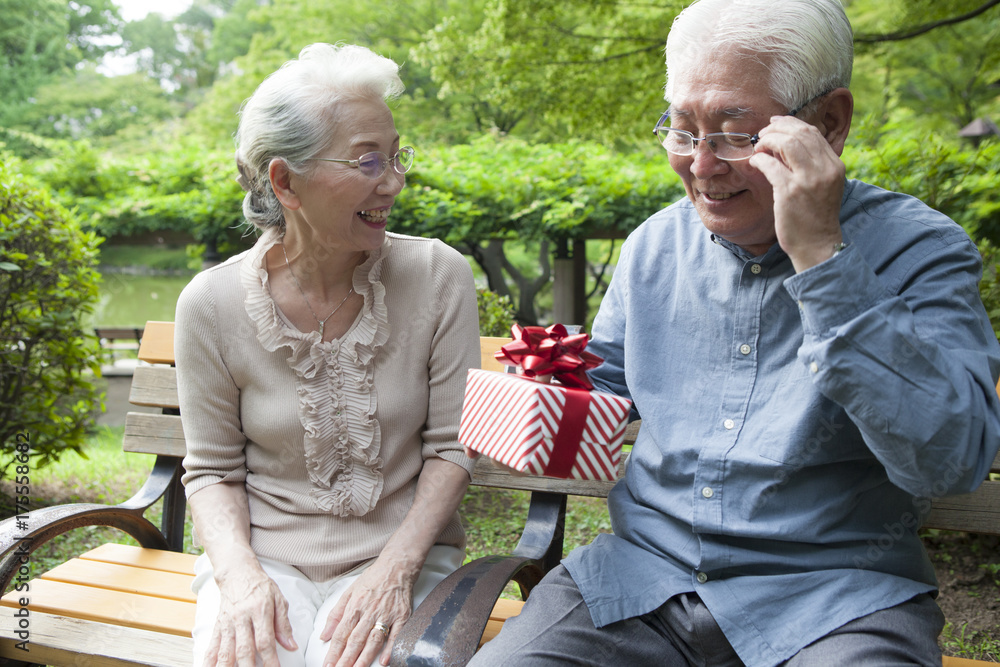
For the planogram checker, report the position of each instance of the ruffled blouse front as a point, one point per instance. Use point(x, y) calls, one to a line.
point(335, 384)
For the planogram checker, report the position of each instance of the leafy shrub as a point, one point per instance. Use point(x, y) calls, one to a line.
point(954, 178)
point(496, 313)
point(989, 286)
point(48, 279)
point(182, 188)
point(505, 188)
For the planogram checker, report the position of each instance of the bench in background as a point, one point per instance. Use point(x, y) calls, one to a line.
point(115, 340)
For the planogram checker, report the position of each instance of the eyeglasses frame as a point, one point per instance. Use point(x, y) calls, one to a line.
point(394, 161)
point(754, 138)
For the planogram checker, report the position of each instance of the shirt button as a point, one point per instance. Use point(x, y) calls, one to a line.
point(744, 349)
point(707, 492)
point(814, 367)
point(755, 269)
point(729, 424)
point(702, 577)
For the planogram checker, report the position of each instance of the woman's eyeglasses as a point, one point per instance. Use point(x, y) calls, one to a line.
point(374, 164)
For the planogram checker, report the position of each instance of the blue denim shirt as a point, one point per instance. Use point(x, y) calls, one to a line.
point(793, 425)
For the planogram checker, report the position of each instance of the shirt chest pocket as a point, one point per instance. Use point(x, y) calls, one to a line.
point(805, 429)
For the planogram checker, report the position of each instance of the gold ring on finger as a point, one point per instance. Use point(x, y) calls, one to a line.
point(383, 628)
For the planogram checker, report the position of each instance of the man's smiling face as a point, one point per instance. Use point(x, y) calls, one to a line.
point(726, 94)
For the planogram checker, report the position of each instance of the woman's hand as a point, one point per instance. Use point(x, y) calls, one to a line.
point(382, 594)
point(253, 616)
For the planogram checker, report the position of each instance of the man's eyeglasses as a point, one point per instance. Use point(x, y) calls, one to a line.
point(728, 146)
point(374, 164)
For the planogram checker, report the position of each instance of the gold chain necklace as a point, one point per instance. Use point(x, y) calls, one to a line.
point(295, 280)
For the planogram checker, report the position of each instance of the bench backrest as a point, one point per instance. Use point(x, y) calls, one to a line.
point(156, 386)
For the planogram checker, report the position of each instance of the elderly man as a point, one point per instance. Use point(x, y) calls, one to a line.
point(811, 362)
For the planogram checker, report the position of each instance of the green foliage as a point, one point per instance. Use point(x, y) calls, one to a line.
point(957, 180)
point(183, 188)
point(44, 39)
point(599, 63)
point(47, 281)
point(972, 645)
point(507, 188)
point(989, 286)
point(273, 33)
point(477, 196)
point(89, 104)
point(496, 314)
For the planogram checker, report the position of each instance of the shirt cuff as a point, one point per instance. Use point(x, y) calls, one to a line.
point(835, 291)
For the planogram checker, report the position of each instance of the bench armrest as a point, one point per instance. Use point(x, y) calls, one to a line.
point(445, 629)
point(19, 537)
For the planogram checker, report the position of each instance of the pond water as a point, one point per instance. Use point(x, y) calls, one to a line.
point(131, 300)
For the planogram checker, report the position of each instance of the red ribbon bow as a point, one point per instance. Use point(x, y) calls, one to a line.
point(550, 351)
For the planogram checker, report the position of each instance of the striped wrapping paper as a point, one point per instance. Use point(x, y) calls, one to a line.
point(526, 425)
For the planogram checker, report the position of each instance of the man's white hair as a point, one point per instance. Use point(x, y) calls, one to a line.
point(807, 45)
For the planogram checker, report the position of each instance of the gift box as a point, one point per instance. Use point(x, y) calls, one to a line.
point(562, 429)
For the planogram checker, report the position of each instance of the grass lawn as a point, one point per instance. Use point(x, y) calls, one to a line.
point(104, 474)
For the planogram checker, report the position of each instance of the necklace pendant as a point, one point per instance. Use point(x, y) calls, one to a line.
point(321, 331)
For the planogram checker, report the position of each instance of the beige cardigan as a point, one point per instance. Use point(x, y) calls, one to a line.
point(329, 438)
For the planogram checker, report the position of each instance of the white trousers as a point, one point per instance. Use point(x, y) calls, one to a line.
point(309, 602)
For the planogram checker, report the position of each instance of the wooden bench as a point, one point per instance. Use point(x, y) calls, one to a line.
point(121, 605)
point(110, 340)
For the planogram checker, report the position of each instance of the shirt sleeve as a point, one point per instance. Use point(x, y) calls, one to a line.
point(454, 350)
point(608, 335)
point(209, 398)
point(912, 359)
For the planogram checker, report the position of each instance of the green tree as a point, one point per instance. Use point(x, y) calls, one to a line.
point(181, 188)
point(594, 69)
point(89, 104)
point(178, 52)
point(48, 279)
point(45, 38)
point(478, 197)
point(389, 27)
point(589, 69)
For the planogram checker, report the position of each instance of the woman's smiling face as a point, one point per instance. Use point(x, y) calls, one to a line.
point(734, 200)
point(343, 207)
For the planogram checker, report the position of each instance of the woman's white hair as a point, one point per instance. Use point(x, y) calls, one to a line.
point(292, 115)
point(808, 45)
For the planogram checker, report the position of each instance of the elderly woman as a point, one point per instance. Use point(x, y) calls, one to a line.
point(321, 376)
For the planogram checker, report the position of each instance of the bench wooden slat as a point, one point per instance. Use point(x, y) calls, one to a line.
point(487, 474)
point(976, 512)
point(124, 578)
point(150, 559)
point(113, 607)
point(502, 610)
point(948, 661)
point(154, 434)
point(60, 641)
point(154, 386)
point(487, 346)
point(157, 343)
